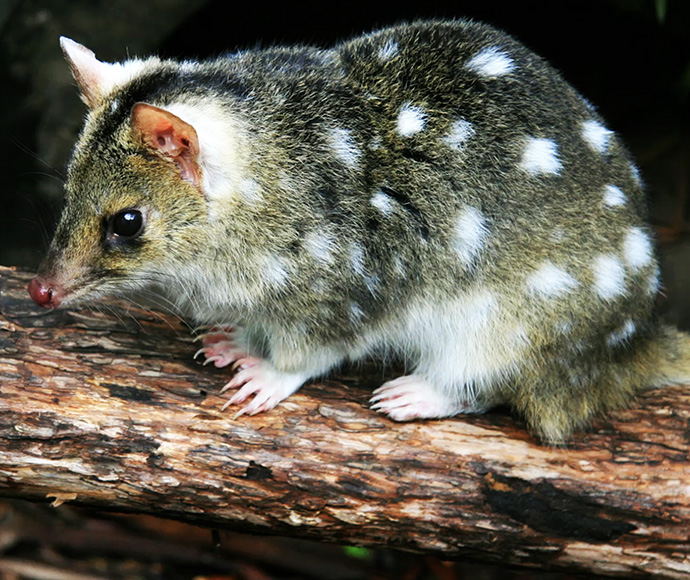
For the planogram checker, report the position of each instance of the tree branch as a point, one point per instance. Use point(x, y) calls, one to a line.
point(109, 410)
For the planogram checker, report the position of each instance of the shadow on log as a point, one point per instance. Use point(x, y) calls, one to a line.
point(108, 410)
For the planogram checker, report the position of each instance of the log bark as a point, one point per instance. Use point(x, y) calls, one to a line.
point(107, 409)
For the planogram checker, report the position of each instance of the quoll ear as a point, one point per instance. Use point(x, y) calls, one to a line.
point(170, 137)
point(94, 78)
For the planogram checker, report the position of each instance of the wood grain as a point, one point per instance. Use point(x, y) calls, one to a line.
point(108, 409)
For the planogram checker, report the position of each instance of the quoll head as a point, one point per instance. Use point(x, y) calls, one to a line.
point(133, 201)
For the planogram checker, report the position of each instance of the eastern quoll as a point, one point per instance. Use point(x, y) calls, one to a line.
point(432, 191)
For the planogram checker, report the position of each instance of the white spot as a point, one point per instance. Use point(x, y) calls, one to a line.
point(551, 281)
point(557, 235)
point(469, 234)
point(609, 276)
point(411, 120)
point(579, 346)
point(597, 136)
point(288, 183)
point(250, 191)
point(278, 97)
point(327, 57)
point(372, 284)
point(344, 146)
point(376, 144)
point(114, 105)
point(319, 286)
point(637, 248)
point(399, 267)
point(613, 196)
point(541, 156)
point(491, 62)
point(320, 246)
point(275, 271)
point(622, 334)
point(357, 259)
point(588, 104)
point(635, 172)
point(389, 50)
point(356, 312)
point(564, 327)
point(460, 132)
point(519, 337)
point(654, 282)
point(383, 203)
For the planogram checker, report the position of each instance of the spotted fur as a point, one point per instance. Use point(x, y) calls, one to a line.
point(431, 190)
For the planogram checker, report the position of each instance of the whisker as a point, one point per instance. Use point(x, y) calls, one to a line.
point(26, 149)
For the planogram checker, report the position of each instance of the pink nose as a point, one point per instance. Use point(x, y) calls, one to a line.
point(42, 295)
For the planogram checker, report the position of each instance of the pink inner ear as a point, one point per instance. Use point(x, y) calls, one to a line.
point(171, 137)
point(166, 143)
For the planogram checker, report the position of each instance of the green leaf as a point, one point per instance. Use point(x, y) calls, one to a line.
point(357, 552)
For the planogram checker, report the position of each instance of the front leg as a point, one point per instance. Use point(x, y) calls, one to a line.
point(219, 346)
point(268, 385)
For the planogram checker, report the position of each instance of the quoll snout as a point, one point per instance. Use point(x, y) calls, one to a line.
point(43, 295)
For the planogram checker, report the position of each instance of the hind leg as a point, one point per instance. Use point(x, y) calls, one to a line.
point(554, 415)
point(415, 397)
point(565, 394)
point(463, 350)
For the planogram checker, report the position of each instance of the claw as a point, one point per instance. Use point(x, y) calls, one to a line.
point(259, 379)
point(220, 349)
point(214, 333)
point(235, 382)
point(414, 397)
point(410, 397)
point(245, 363)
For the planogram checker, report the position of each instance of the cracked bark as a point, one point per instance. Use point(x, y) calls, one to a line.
point(108, 409)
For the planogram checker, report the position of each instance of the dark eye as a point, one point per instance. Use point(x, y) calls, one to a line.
point(127, 224)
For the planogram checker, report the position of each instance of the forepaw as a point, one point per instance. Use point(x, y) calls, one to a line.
point(413, 397)
point(268, 387)
point(219, 348)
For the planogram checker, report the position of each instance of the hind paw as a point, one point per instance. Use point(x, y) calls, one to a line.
point(413, 397)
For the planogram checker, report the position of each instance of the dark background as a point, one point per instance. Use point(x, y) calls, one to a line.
point(631, 58)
